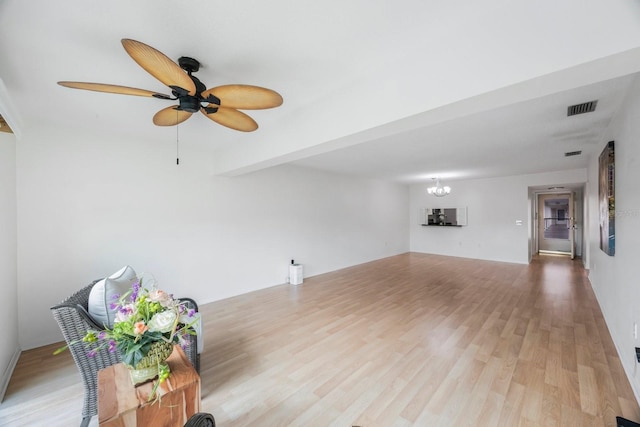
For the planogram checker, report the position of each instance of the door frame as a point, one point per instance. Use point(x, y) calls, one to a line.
point(577, 229)
point(569, 217)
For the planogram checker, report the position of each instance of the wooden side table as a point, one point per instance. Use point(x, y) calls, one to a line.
point(120, 404)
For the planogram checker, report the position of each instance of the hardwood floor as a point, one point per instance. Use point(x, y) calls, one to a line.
point(413, 339)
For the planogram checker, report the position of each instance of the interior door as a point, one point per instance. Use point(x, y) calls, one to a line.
point(556, 231)
point(572, 231)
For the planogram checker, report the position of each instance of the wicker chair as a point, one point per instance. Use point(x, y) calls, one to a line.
point(74, 321)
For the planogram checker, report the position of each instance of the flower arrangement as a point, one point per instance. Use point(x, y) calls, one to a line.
point(143, 317)
point(147, 324)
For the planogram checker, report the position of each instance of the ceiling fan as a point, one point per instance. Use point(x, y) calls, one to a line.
point(220, 103)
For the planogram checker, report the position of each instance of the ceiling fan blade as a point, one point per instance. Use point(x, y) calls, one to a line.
point(122, 90)
point(170, 116)
point(245, 97)
point(159, 65)
point(231, 118)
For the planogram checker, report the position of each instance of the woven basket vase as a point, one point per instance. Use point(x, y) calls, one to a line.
point(147, 368)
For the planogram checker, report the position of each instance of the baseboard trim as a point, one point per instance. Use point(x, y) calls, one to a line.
point(621, 355)
point(6, 376)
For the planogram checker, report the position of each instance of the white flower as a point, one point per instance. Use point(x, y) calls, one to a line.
point(162, 322)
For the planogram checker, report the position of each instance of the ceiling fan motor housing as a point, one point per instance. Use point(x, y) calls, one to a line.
point(189, 103)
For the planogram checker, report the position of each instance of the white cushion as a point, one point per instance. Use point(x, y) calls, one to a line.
point(102, 295)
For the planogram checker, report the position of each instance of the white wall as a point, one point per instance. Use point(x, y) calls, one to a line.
point(9, 350)
point(87, 206)
point(491, 233)
point(615, 279)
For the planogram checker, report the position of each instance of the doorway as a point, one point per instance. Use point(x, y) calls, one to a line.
point(556, 231)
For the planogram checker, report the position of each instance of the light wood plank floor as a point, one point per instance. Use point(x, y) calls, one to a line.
point(413, 339)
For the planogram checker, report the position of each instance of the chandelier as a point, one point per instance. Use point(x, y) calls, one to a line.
point(439, 190)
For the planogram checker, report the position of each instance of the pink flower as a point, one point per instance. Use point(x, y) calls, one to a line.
point(160, 296)
point(139, 328)
point(124, 313)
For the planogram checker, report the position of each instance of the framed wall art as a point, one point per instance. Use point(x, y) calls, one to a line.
point(606, 199)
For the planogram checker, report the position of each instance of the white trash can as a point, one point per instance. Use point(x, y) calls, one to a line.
point(295, 274)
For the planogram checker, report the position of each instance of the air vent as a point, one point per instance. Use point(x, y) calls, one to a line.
point(572, 153)
point(587, 107)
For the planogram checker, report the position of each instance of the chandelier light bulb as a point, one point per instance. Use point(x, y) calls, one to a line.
point(439, 190)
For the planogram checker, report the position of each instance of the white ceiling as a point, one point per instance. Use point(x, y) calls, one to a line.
point(521, 138)
point(401, 91)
